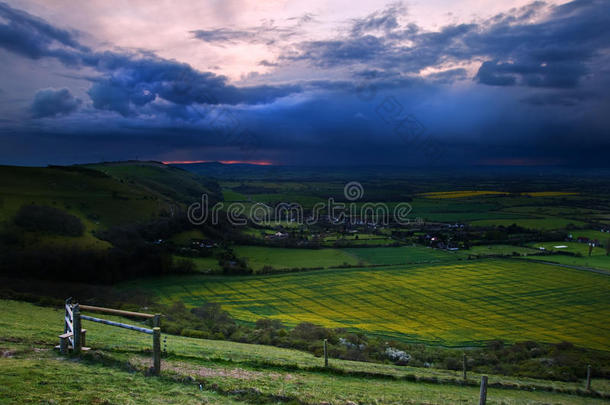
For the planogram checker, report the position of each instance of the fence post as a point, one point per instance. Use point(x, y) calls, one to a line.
point(156, 350)
point(483, 394)
point(76, 328)
point(464, 365)
point(325, 353)
point(63, 346)
point(157, 321)
point(588, 377)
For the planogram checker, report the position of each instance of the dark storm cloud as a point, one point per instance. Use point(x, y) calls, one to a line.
point(136, 82)
point(141, 81)
point(359, 50)
point(266, 63)
point(565, 98)
point(492, 74)
point(267, 33)
point(448, 76)
point(385, 20)
point(223, 35)
point(539, 74)
point(34, 38)
point(553, 51)
point(129, 80)
point(52, 102)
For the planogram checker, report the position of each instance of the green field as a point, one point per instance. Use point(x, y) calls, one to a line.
point(505, 250)
point(230, 195)
point(282, 258)
point(403, 255)
point(231, 373)
point(602, 237)
point(597, 260)
point(185, 238)
point(453, 305)
point(530, 223)
point(203, 264)
point(572, 247)
point(594, 262)
point(362, 239)
point(422, 254)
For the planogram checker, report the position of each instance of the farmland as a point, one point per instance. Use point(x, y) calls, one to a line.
point(452, 305)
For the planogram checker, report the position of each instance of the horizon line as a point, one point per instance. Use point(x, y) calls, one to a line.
point(226, 162)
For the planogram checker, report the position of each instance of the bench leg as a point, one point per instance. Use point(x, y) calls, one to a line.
point(82, 338)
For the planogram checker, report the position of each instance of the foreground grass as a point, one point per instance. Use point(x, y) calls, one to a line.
point(46, 378)
point(466, 303)
point(230, 373)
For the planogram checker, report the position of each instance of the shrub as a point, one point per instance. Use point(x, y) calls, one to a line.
point(265, 323)
point(183, 265)
point(214, 317)
point(309, 332)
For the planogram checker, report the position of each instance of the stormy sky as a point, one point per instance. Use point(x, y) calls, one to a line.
point(441, 82)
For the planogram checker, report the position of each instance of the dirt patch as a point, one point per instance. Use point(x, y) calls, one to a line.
point(207, 372)
point(8, 353)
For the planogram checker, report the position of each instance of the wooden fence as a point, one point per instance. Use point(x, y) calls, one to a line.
point(73, 337)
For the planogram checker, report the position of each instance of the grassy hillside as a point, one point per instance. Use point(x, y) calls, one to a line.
point(63, 221)
point(92, 196)
point(101, 195)
point(171, 182)
point(229, 373)
point(461, 304)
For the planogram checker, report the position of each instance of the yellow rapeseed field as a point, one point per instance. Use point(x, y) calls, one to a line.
point(467, 303)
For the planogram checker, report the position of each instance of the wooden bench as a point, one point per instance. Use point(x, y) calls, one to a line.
point(64, 341)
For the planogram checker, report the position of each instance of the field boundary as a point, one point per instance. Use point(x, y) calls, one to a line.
point(569, 266)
